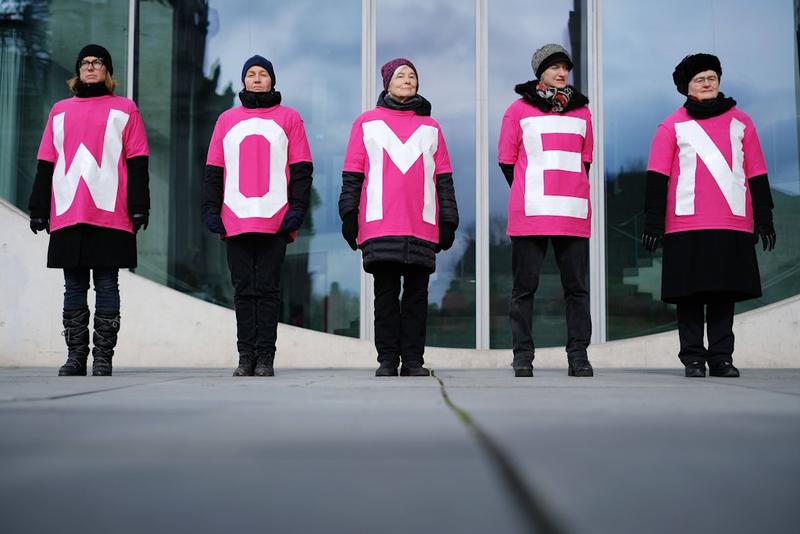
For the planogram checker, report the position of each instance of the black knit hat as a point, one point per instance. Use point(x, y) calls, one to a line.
point(97, 51)
point(691, 65)
point(261, 62)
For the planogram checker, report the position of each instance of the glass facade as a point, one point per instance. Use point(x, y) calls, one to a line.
point(640, 52)
point(187, 58)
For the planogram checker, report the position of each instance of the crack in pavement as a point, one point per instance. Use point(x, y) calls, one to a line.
point(91, 392)
point(531, 507)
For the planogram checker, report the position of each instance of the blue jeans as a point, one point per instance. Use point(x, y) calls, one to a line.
point(106, 288)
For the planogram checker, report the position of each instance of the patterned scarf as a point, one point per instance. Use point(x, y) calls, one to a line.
point(557, 98)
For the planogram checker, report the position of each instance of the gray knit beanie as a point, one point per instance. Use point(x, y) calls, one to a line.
point(547, 55)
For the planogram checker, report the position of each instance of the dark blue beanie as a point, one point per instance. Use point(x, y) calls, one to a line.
point(261, 62)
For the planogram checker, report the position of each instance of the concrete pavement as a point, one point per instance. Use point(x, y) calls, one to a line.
point(194, 450)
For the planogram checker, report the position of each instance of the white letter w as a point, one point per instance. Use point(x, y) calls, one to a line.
point(102, 180)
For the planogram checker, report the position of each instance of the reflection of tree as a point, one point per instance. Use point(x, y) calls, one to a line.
point(30, 84)
point(453, 324)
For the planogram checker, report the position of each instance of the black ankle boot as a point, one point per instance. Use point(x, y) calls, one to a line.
point(264, 363)
point(413, 369)
point(386, 369)
point(696, 369)
point(76, 335)
point(247, 365)
point(724, 369)
point(523, 372)
point(580, 366)
point(106, 327)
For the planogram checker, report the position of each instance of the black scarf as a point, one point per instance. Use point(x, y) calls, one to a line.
point(251, 99)
point(89, 90)
point(531, 93)
point(708, 108)
point(417, 103)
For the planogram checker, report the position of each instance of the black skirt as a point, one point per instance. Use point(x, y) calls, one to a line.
point(93, 247)
point(709, 263)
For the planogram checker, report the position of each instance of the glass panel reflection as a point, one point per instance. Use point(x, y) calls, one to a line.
point(444, 54)
point(561, 22)
point(39, 41)
point(638, 92)
point(317, 69)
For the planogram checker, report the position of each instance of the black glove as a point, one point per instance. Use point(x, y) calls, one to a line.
point(140, 221)
point(447, 234)
point(38, 224)
point(350, 228)
point(651, 240)
point(214, 223)
point(292, 220)
point(765, 231)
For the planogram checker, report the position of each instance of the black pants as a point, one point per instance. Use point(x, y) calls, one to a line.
point(255, 262)
point(400, 324)
point(718, 315)
point(572, 257)
point(106, 288)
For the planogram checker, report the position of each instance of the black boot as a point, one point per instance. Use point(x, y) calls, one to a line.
point(76, 334)
point(579, 365)
point(413, 368)
point(247, 365)
point(523, 365)
point(723, 369)
point(106, 327)
point(264, 363)
point(386, 369)
point(696, 369)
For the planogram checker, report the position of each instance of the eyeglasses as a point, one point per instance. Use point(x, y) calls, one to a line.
point(95, 63)
point(703, 79)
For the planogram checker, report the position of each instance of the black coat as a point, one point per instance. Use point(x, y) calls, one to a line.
point(84, 245)
point(408, 250)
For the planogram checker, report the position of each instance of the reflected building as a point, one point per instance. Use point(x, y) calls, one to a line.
point(185, 61)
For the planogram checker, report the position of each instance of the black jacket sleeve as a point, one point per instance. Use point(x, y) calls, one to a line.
point(762, 200)
point(446, 193)
point(138, 185)
point(212, 191)
point(39, 201)
point(508, 172)
point(300, 178)
point(350, 197)
point(587, 165)
point(655, 203)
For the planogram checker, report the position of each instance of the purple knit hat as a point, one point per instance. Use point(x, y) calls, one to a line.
point(387, 71)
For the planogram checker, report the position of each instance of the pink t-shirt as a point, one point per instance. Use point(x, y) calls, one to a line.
point(88, 140)
point(709, 163)
point(400, 154)
point(255, 147)
point(550, 191)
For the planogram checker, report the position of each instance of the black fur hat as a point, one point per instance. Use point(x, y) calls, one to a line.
point(691, 65)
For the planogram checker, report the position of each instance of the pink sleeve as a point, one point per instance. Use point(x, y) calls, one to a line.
point(134, 139)
point(510, 139)
point(216, 155)
point(662, 151)
point(298, 142)
point(354, 158)
point(47, 150)
point(588, 141)
point(442, 157)
point(754, 164)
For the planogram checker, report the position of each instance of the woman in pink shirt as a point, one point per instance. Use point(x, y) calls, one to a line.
point(256, 195)
point(91, 194)
point(544, 151)
point(398, 205)
point(707, 200)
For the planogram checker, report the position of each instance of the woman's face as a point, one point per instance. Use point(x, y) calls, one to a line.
point(404, 84)
point(92, 70)
point(257, 80)
point(704, 85)
point(556, 75)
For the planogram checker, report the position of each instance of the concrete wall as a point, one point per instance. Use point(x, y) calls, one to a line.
point(162, 327)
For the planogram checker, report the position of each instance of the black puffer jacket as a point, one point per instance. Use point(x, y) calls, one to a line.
point(408, 250)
